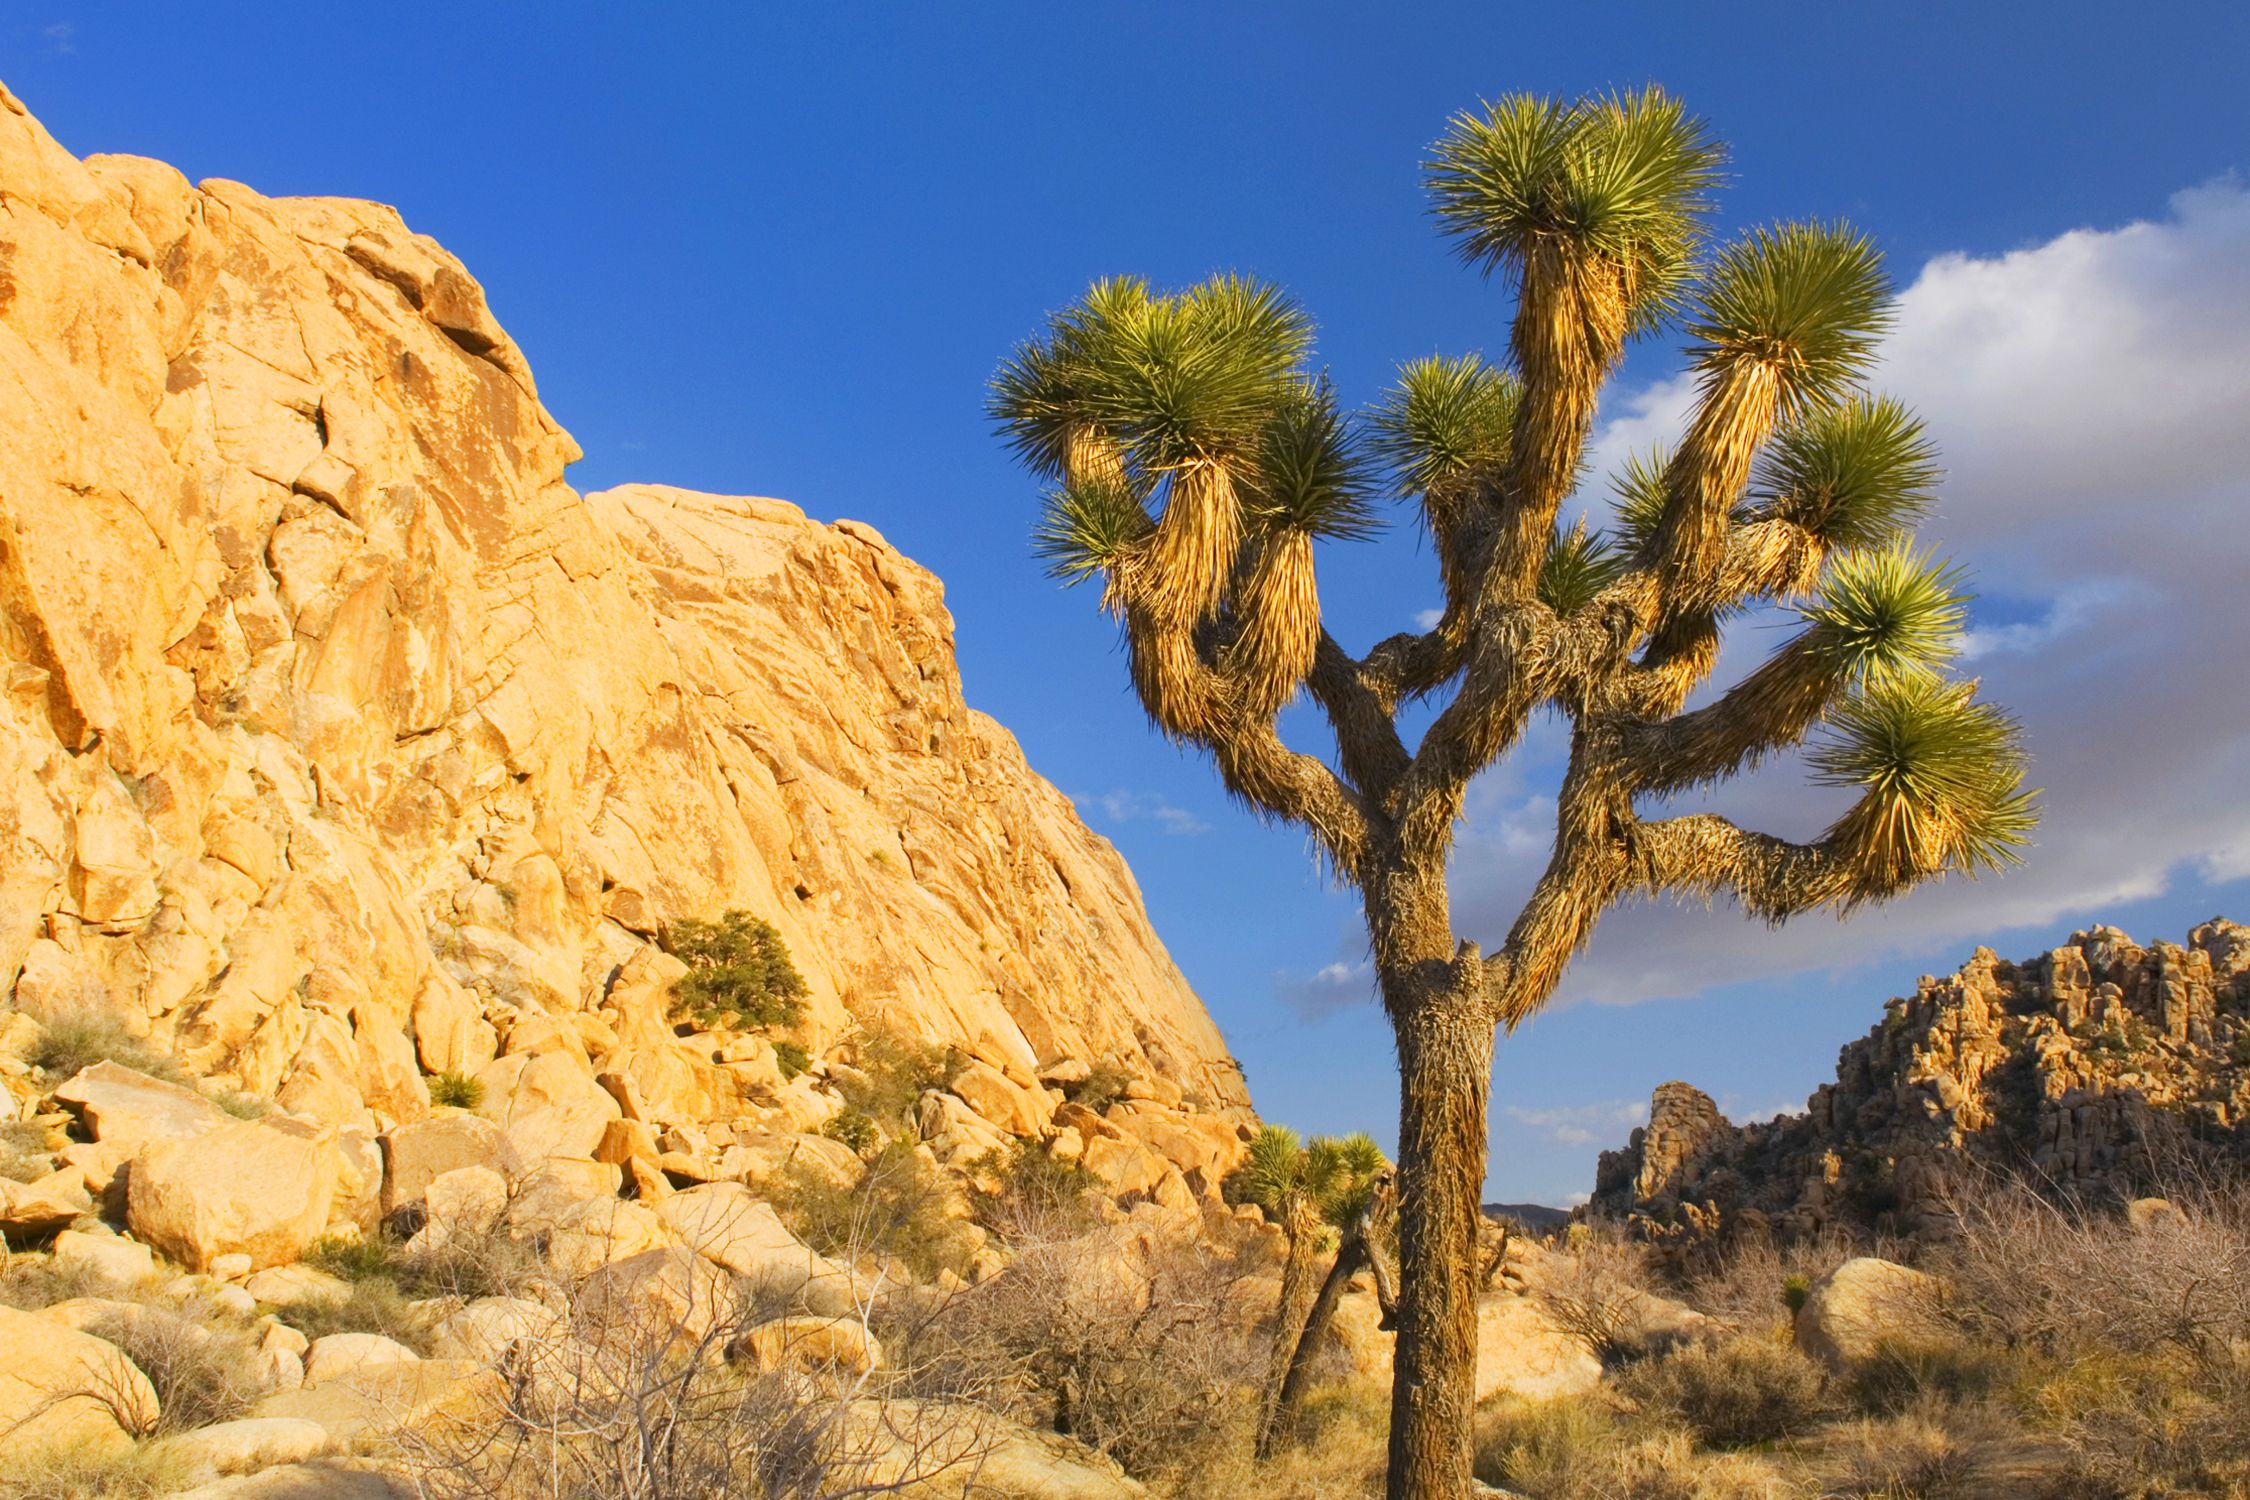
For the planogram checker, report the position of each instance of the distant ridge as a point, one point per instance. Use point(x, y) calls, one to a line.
point(2091, 1069)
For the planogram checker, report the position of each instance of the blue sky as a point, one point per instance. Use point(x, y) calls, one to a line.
point(771, 251)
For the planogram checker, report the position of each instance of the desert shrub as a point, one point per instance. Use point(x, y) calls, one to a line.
point(1103, 1085)
point(352, 1257)
point(23, 1151)
point(1338, 1449)
point(632, 1408)
point(899, 1206)
point(1930, 1367)
point(1937, 1453)
point(1143, 1351)
point(240, 1105)
point(202, 1372)
point(455, 1089)
point(2063, 1276)
point(471, 1265)
point(854, 1129)
point(1575, 1448)
point(1730, 1393)
point(1754, 1284)
point(889, 1073)
point(1534, 1446)
point(2150, 1425)
point(375, 1305)
point(1597, 1293)
point(93, 1471)
point(73, 1040)
point(29, 1285)
point(739, 973)
point(791, 1058)
point(1032, 1192)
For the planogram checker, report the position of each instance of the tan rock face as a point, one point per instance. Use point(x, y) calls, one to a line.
point(341, 739)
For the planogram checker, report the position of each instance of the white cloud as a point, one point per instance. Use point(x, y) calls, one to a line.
point(1427, 619)
point(1331, 988)
point(1145, 807)
point(1603, 1124)
point(2091, 396)
point(61, 37)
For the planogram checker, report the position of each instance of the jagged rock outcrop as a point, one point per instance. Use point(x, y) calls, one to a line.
point(2094, 1068)
point(342, 742)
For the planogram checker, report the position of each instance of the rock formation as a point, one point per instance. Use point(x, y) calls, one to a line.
point(2092, 1068)
point(343, 743)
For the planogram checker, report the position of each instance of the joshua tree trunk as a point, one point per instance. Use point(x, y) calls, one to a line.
point(1359, 1248)
point(1445, 1077)
point(1301, 1223)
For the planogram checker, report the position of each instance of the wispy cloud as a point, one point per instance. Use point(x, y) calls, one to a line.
point(1145, 807)
point(1605, 1123)
point(1327, 990)
point(61, 37)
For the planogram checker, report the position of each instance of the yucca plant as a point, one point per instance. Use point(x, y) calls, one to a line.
point(1317, 1191)
point(1197, 458)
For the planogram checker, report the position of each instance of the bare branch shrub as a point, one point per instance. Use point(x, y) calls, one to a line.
point(201, 1373)
point(1596, 1292)
point(1143, 1348)
point(706, 1397)
point(2066, 1276)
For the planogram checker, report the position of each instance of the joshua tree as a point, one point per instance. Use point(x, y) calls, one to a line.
point(1196, 457)
point(1308, 1188)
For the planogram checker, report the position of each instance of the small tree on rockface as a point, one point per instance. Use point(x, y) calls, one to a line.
point(739, 973)
point(1196, 458)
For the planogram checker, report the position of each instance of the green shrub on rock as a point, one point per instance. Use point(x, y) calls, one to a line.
point(739, 973)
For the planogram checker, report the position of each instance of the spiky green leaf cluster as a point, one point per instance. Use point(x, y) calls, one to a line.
point(1624, 179)
point(1330, 1174)
point(1888, 612)
point(1579, 565)
point(1040, 395)
point(1087, 526)
point(1810, 300)
point(1172, 378)
point(1857, 474)
point(1941, 772)
point(1308, 474)
point(1444, 420)
point(1639, 494)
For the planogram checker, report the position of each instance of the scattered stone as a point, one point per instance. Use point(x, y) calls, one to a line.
point(103, 1257)
point(129, 1110)
point(293, 1286)
point(808, 1346)
point(31, 1211)
point(247, 1445)
point(257, 1188)
point(339, 1354)
point(1855, 1309)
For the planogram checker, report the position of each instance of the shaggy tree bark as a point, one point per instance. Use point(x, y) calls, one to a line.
point(1197, 458)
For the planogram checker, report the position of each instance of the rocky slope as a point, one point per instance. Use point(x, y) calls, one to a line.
point(343, 743)
point(2093, 1068)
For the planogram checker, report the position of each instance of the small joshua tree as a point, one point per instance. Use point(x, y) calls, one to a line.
point(1308, 1188)
point(1196, 457)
